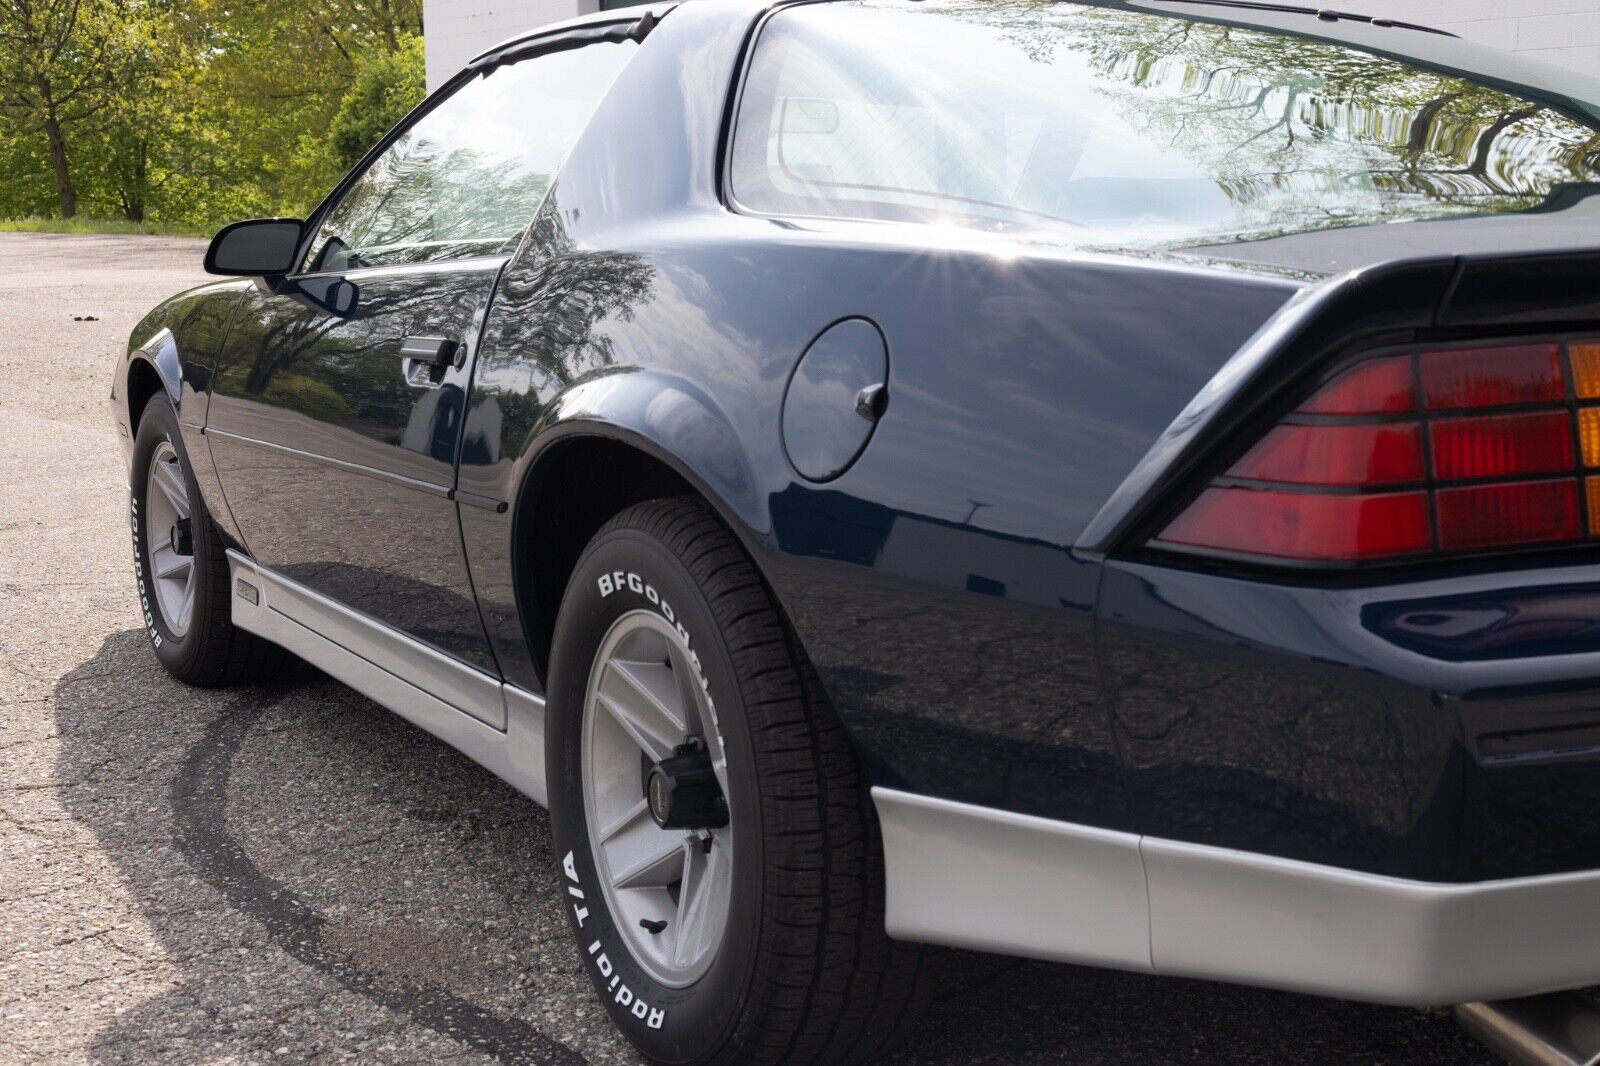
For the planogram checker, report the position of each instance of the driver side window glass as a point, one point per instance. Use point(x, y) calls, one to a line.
point(466, 178)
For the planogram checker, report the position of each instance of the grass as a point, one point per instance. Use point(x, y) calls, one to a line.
point(99, 225)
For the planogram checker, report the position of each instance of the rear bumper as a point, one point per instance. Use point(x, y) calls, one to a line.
point(1440, 726)
point(991, 880)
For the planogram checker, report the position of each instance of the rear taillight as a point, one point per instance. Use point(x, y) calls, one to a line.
point(1467, 448)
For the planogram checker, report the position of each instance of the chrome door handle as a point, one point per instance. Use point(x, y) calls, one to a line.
point(438, 351)
point(428, 359)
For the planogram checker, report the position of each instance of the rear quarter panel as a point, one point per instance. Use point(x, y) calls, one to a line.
point(933, 584)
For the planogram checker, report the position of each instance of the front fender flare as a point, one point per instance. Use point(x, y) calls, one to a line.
point(160, 350)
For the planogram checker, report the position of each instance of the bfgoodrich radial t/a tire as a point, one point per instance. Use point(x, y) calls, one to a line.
point(180, 565)
point(718, 846)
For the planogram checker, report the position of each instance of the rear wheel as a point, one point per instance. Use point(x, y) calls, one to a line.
point(181, 566)
point(718, 846)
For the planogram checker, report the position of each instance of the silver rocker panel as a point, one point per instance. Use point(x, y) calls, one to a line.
point(497, 725)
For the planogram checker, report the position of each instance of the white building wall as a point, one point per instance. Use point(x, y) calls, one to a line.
point(457, 30)
point(1565, 32)
point(1557, 31)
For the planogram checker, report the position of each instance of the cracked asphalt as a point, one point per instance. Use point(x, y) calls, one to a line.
point(290, 873)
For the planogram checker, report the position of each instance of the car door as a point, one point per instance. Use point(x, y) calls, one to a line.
point(335, 429)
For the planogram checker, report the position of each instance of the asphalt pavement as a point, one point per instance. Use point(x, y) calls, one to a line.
point(290, 873)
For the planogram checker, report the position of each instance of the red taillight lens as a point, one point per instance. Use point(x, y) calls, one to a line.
point(1376, 387)
point(1501, 445)
point(1492, 377)
point(1428, 451)
point(1526, 512)
point(1305, 525)
point(1336, 455)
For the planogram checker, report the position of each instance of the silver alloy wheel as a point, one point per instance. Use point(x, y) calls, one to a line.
point(669, 890)
point(168, 538)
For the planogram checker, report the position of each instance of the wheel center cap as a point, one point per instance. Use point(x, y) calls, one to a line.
point(180, 538)
point(683, 793)
point(660, 797)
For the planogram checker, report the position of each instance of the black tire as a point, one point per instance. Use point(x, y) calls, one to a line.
point(805, 972)
point(213, 652)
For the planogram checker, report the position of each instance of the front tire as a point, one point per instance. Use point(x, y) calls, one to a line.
point(753, 932)
point(181, 565)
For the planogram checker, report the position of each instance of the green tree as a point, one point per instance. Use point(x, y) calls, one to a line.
point(276, 75)
point(129, 144)
point(52, 68)
point(190, 111)
point(385, 87)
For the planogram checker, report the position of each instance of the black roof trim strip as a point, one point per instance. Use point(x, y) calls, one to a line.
point(1325, 14)
point(561, 40)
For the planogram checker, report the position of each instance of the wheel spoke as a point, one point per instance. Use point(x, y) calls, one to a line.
point(695, 895)
point(634, 695)
point(168, 563)
point(683, 686)
point(169, 479)
point(655, 863)
point(187, 604)
point(632, 818)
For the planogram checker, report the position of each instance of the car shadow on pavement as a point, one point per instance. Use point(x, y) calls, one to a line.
point(325, 881)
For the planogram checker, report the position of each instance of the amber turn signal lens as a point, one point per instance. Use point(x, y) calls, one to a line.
point(1585, 369)
point(1589, 434)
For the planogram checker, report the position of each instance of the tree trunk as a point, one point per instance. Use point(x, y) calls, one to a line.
point(132, 195)
point(66, 192)
point(1422, 122)
point(1485, 146)
point(390, 38)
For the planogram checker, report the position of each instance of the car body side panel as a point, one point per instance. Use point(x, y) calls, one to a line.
point(339, 471)
point(933, 583)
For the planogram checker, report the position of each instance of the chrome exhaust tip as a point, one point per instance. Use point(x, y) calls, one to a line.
point(1558, 1029)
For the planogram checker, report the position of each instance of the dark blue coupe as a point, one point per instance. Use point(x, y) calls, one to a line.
point(1115, 482)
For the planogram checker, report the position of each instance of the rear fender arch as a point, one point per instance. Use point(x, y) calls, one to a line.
point(669, 419)
point(670, 431)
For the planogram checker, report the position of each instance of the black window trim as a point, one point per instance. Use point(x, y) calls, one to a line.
point(735, 104)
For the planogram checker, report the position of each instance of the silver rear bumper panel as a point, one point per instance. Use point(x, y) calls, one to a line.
point(992, 880)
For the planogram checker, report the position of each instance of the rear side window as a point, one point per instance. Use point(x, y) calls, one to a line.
point(1125, 126)
point(467, 177)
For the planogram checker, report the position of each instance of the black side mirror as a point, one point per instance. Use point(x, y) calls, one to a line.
point(255, 248)
point(332, 294)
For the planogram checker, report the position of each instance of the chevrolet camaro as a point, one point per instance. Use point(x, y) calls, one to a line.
point(1112, 482)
